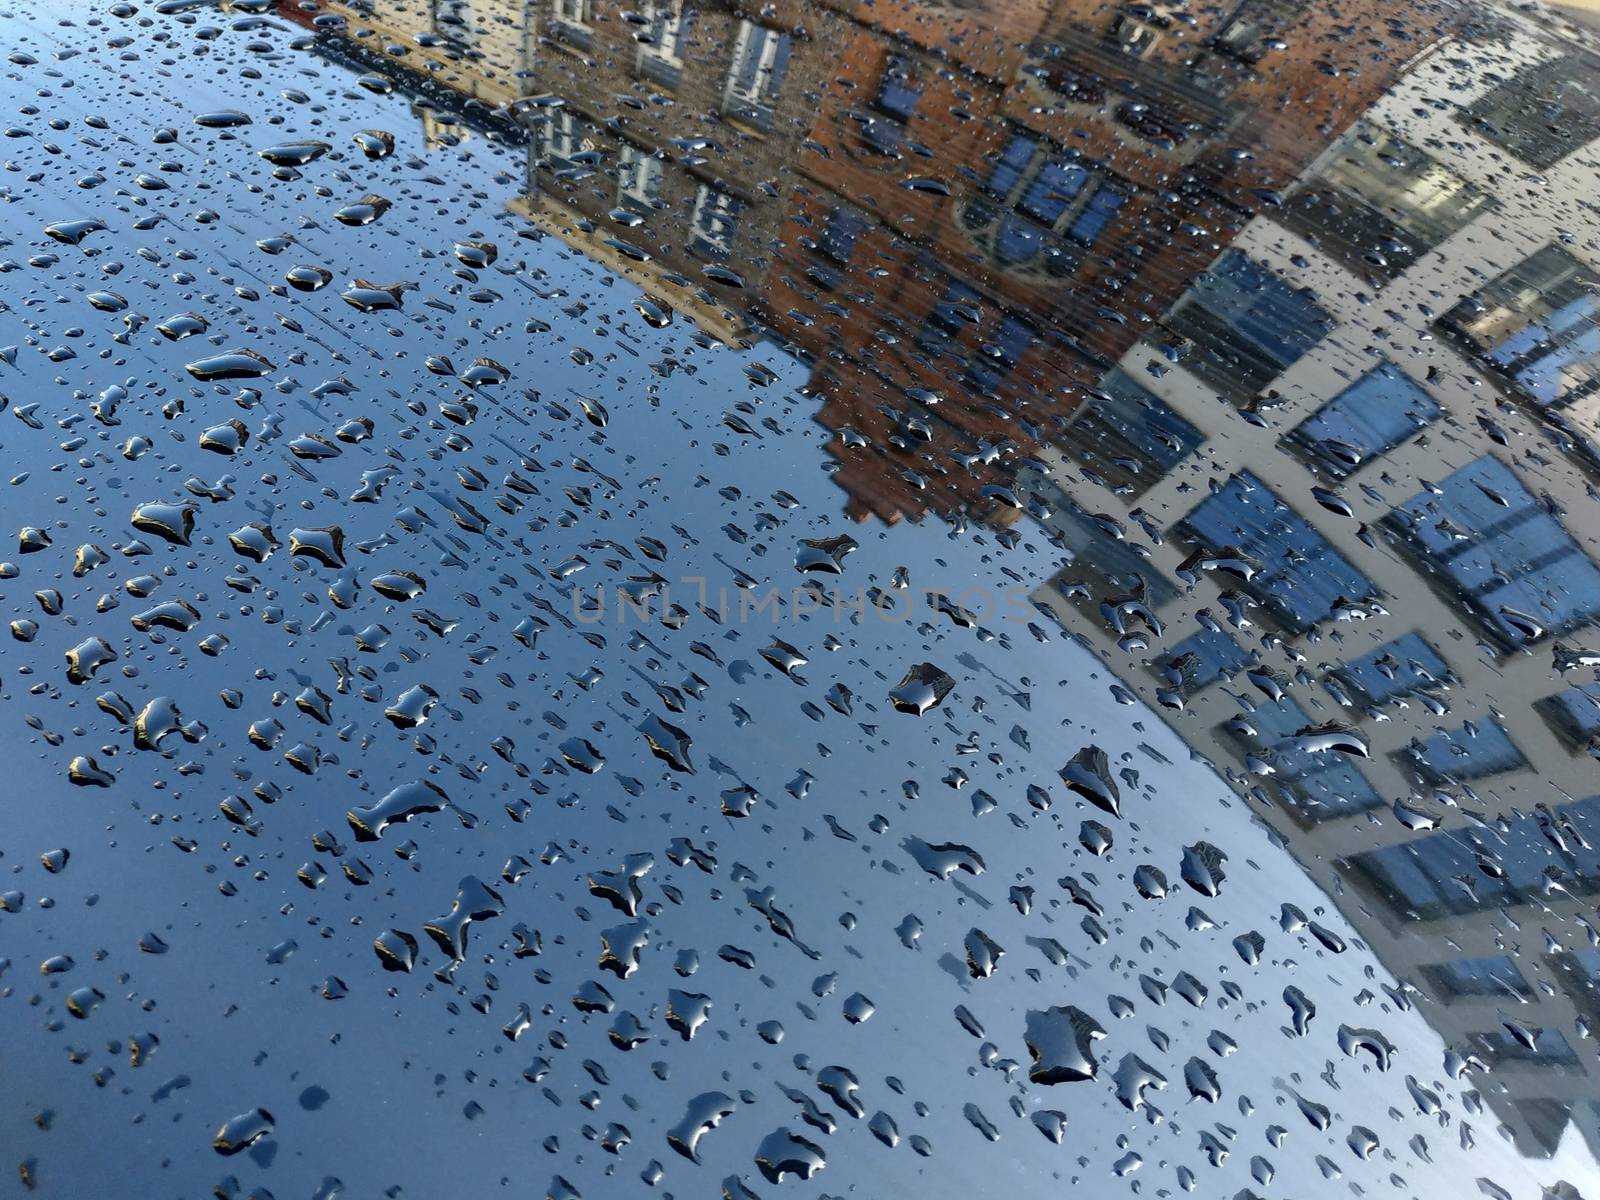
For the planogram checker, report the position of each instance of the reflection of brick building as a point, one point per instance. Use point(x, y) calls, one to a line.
point(960, 217)
point(1010, 211)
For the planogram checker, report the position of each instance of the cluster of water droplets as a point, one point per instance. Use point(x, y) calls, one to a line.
point(359, 834)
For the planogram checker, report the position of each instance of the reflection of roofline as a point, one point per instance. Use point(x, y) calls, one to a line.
point(559, 220)
point(474, 114)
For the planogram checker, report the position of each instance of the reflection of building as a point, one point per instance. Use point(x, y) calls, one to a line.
point(1347, 481)
point(1330, 479)
point(960, 217)
point(444, 41)
point(673, 128)
point(1010, 212)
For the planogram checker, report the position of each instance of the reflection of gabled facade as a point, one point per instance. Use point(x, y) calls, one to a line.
point(618, 172)
point(1336, 515)
point(618, 165)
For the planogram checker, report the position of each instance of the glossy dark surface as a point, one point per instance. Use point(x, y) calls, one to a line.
point(833, 600)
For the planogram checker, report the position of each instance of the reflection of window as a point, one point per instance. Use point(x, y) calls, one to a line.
point(661, 42)
point(839, 235)
point(1010, 165)
point(1162, 126)
point(1543, 114)
point(837, 245)
point(1322, 783)
point(1538, 327)
point(716, 214)
point(1466, 870)
point(1096, 214)
point(1370, 417)
point(760, 62)
point(999, 355)
point(1116, 563)
point(1247, 325)
point(560, 137)
point(1301, 574)
point(1396, 668)
point(1253, 25)
point(1549, 1048)
point(1067, 77)
point(1206, 656)
point(1216, 71)
point(1379, 203)
point(1504, 556)
point(893, 107)
point(569, 23)
point(1128, 435)
point(638, 179)
point(1132, 35)
point(955, 310)
point(1577, 970)
point(898, 93)
point(1574, 713)
point(1497, 976)
point(1471, 751)
point(1041, 201)
point(452, 19)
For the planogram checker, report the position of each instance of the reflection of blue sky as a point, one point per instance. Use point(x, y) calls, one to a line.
point(402, 1069)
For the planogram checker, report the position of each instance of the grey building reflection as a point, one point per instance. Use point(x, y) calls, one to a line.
point(1314, 431)
point(1362, 447)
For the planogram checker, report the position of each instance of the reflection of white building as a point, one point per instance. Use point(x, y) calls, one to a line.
point(1352, 481)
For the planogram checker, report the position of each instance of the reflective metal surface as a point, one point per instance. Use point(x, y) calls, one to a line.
point(827, 599)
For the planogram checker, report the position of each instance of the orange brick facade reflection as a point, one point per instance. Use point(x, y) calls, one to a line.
point(1194, 139)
